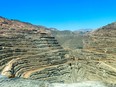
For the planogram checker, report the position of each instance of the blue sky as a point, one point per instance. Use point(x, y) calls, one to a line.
point(61, 14)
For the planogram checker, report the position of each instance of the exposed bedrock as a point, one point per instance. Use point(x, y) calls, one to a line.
point(26, 52)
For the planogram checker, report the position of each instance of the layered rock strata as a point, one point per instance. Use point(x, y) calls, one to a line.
point(26, 53)
point(100, 54)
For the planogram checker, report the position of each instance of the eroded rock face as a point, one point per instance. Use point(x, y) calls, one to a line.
point(24, 53)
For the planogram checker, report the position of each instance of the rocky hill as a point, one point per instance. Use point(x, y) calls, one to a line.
point(16, 24)
point(29, 53)
point(33, 53)
point(99, 55)
point(67, 39)
point(103, 39)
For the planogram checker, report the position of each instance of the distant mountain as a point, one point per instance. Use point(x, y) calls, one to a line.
point(83, 30)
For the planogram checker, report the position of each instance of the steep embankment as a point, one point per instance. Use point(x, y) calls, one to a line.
point(27, 52)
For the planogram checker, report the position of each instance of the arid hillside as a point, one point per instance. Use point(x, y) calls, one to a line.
point(67, 39)
point(31, 52)
point(16, 24)
point(98, 55)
